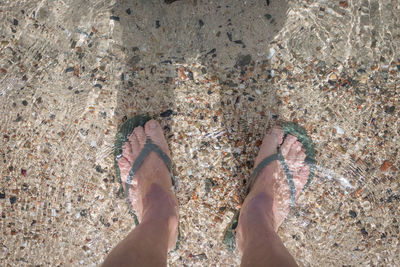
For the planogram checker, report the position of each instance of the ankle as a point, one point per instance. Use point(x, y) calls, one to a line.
point(160, 208)
point(259, 208)
point(256, 219)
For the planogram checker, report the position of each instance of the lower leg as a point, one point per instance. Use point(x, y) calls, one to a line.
point(148, 243)
point(260, 244)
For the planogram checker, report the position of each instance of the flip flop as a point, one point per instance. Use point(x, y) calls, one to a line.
point(122, 137)
point(288, 128)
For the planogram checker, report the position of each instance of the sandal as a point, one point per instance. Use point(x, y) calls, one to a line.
point(122, 137)
point(289, 128)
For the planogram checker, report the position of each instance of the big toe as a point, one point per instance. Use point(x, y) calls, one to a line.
point(271, 141)
point(140, 135)
point(154, 131)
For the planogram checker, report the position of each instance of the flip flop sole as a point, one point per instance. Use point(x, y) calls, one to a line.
point(289, 128)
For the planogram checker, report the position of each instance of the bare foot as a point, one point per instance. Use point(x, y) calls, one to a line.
point(271, 187)
point(152, 181)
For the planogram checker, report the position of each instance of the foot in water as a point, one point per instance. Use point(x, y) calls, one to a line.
point(151, 187)
point(269, 197)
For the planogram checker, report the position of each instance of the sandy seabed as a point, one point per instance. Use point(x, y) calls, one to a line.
point(216, 74)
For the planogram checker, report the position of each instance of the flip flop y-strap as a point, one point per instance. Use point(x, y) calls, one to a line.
point(147, 149)
point(289, 176)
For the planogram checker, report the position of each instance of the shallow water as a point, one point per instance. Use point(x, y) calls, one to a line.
point(216, 74)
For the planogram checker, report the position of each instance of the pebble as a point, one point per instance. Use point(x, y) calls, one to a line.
point(339, 130)
point(13, 199)
point(166, 113)
point(271, 53)
point(332, 77)
point(243, 60)
point(93, 143)
point(114, 18)
point(352, 213)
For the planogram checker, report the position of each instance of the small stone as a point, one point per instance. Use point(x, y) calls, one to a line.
point(339, 130)
point(385, 166)
point(99, 169)
point(332, 77)
point(364, 232)
point(166, 113)
point(114, 18)
point(23, 172)
point(243, 60)
point(389, 109)
point(128, 11)
point(13, 200)
point(229, 36)
point(344, 4)
point(271, 53)
point(268, 16)
point(208, 185)
point(201, 23)
point(15, 22)
point(93, 144)
point(83, 213)
point(25, 103)
point(353, 214)
point(181, 74)
point(70, 69)
point(157, 24)
point(2, 195)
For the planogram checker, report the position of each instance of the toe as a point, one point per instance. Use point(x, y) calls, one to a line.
point(134, 144)
point(295, 157)
point(124, 167)
point(287, 144)
point(140, 135)
point(127, 152)
point(301, 156)
point(154, 131)
point(270, 144)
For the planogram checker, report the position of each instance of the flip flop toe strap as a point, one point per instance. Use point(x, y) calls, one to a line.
point(265, 162)
point(147, 149)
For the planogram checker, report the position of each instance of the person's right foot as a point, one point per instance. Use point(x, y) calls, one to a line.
point(270, 188)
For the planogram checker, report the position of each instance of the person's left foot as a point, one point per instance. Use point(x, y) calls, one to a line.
point(152, 181)
point(270, 192)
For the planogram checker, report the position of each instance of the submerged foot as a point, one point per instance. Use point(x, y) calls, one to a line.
point(151, 184)
point(270, 193)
